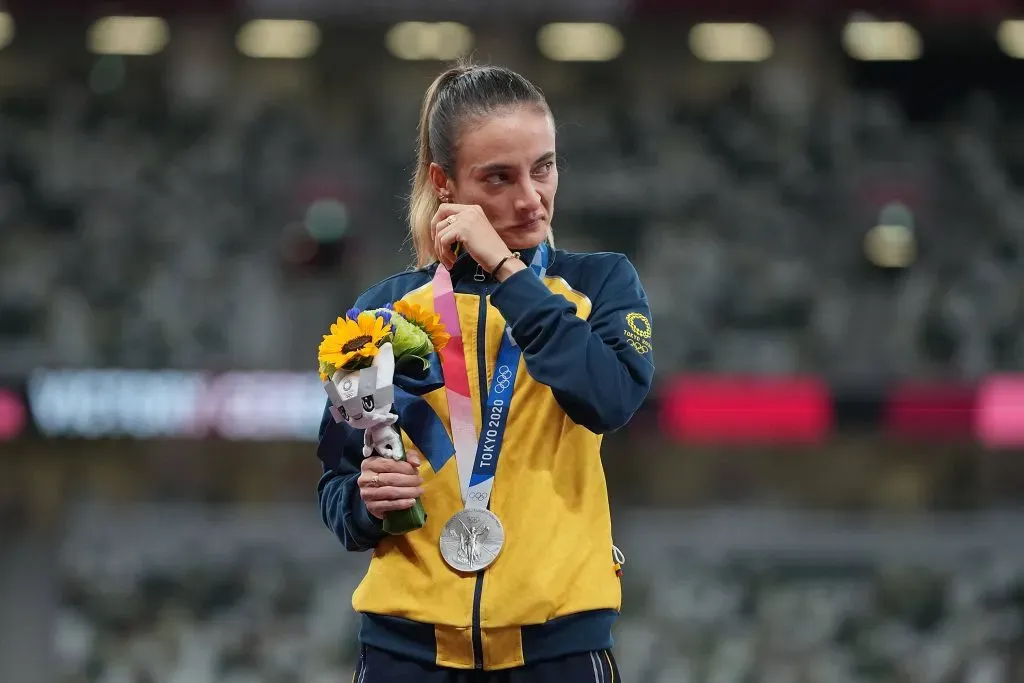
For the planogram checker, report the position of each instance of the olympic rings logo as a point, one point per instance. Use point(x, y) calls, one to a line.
point(502, 378)
point(479, 496)
point(640, 325)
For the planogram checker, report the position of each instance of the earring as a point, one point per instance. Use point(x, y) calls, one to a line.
point(445, 197)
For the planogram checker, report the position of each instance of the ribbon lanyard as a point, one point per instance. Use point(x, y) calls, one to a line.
point(477, 457)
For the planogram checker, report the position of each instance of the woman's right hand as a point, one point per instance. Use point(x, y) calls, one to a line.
point(386, 485)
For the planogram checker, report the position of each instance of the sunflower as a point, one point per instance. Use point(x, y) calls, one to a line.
point(428, 321)
point(352, 339)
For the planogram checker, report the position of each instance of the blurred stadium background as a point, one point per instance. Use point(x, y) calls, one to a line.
point(824, 200)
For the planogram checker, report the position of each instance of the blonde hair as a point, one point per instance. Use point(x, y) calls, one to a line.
point(461, 92)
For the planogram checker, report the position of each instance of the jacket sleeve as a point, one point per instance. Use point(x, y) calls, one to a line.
point(340, 449)
point(600, 369)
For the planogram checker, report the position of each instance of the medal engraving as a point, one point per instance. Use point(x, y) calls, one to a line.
point(472, 539)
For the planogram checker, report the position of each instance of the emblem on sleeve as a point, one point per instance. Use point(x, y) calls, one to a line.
point(639, 333)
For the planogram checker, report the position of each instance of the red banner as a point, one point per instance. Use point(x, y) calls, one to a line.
point(999, 419)
point(931, 411)
point(747, 410)
point(13, 415)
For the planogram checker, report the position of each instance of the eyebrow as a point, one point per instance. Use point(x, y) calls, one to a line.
point(498, 166)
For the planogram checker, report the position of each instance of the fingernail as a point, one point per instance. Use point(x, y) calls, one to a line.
point(419, 491)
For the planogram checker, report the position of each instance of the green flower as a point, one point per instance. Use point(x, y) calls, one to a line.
point(409, 340)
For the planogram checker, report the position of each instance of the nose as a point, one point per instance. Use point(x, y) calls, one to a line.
point(530, 198)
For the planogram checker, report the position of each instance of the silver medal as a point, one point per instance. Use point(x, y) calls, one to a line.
point(472, 539)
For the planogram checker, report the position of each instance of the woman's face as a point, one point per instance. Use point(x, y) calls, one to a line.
point(506, 164)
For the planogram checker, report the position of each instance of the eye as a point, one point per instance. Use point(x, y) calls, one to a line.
point(496, 178)
point(545, 168)
point(367, 403)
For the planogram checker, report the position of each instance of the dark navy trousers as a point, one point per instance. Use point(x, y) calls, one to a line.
point(378, 666)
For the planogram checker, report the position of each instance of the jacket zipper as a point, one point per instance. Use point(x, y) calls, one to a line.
point(481, 356)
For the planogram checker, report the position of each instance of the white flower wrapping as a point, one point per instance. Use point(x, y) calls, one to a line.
point(363, 398)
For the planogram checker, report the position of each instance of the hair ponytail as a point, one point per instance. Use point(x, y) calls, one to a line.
point(423, 203)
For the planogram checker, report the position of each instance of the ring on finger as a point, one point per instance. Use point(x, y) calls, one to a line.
point(375, 481)
point(450, 221)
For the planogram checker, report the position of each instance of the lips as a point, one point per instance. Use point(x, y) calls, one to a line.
point(528, 225)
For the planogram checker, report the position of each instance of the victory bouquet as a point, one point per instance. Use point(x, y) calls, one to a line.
point(358, 361)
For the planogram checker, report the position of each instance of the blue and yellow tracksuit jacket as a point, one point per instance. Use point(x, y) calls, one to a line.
point(585, 333)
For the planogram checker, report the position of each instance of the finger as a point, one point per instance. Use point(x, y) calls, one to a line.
point(446, 229)
point(443, 227)
point(390, 479)
point(379, 465)
point(437, 246)
point(380, 508)
point(442, 257)
point(383, 493)
point(444, 212)
point(445, 240)
point(413, 458)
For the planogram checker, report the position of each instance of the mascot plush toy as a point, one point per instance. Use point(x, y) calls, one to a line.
point(363, 398)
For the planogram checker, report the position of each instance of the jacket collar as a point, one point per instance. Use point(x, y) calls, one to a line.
point(466, 269)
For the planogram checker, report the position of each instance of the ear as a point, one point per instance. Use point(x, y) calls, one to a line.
point(384, 361)
point(439, 180)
